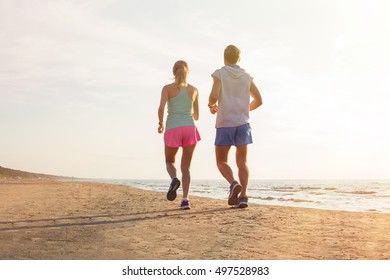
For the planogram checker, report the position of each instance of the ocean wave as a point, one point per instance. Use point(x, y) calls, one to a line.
point(298, 200)
point(358, 192)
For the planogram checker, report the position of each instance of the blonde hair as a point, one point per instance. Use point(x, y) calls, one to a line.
point(232, 54)
point(180, 71)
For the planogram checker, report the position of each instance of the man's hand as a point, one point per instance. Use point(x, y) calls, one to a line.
point(213, 109)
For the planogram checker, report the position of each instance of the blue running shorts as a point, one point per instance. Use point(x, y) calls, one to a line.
point(234, 136)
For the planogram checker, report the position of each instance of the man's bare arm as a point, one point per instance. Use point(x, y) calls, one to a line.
point(257, 100)
point(214, 95)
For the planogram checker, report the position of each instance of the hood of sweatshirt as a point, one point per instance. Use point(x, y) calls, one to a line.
point(234, 71)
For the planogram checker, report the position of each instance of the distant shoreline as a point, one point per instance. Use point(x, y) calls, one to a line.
point(8, 173)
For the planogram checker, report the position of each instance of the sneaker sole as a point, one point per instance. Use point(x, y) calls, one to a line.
point(242, 205)
point(185, 208)
point(233, 199)
point(171, 195)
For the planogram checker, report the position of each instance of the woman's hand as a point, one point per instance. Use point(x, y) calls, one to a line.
point(160, 128)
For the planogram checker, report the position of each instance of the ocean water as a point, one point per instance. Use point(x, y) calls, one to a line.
point(349, 195)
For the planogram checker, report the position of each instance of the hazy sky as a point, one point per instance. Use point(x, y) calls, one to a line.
point(80, 83)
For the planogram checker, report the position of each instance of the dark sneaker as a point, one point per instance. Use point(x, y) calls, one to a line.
point(242, 202)
point(185, 205)
point(235, 189)
point(175, 184)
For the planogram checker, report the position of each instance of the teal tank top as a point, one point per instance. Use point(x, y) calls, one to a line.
point(180, 110)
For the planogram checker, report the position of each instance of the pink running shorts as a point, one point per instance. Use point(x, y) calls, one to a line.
point(182, 136)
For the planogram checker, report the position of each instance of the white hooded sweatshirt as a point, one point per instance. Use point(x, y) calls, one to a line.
point(234, 99)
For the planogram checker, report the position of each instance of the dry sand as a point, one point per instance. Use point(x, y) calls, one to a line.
point(72, 220)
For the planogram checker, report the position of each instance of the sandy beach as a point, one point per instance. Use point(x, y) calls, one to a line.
point(49, 219)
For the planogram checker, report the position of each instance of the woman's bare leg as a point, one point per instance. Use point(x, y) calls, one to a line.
point(185, 169)
point(170, 154)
